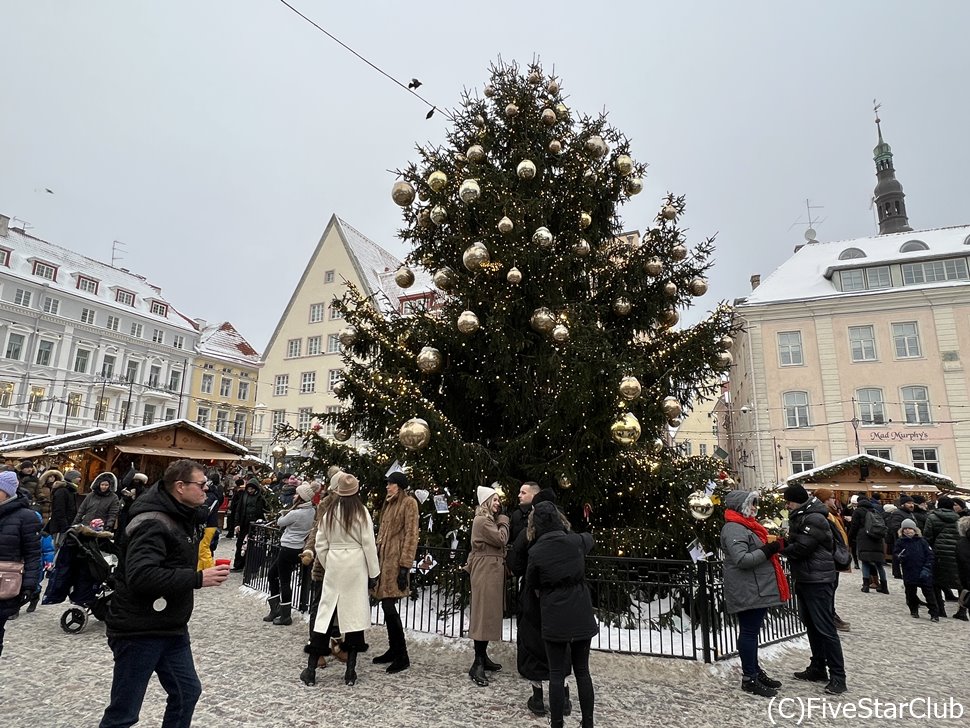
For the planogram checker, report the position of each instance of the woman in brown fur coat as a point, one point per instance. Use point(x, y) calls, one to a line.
point(397, 543)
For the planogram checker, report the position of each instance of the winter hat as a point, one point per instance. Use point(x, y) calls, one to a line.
point(347, 485)
point(545, 519)
point(72, 476)
point(907, 523)
point(854, 500)
point(252, 483)
point(305, 491)
point(335, 481)
point(484, 493)
point(795, 494)
point(905, 499)
point(546, 494)
point(399, 479)
point(945, 503)
point(24, 464)
point(823, 494)
point(139, 478)
point(919, 500)
point(9, 483)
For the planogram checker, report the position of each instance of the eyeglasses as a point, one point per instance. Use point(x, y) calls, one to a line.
point(199, 483)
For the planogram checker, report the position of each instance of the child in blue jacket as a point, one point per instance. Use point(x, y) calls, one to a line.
point(916, 558)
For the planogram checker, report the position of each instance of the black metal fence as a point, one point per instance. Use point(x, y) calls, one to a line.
point(657, 607)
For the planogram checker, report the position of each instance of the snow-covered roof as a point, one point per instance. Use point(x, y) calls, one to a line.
point(87, 442)
point(223, 341)
point(837, 466)
point(808, 273)
point(26, 250)
point(370, 260)
point(39, 442)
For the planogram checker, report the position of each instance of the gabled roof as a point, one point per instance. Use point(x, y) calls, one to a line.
point(39, 442)
point(121, 435)
point(223, 341)
point(837, 466)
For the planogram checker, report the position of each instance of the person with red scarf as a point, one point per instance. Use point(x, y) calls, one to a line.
point(753, 583)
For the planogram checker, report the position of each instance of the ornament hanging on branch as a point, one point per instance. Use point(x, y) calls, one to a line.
point(404, 277)
point(475, 154)
point(585, 220)
point(700, 505)
point(445, 278)
point(581, 248)
point(468, 322)
point(511, 111)
point(439, 215)
point(555, 146)
point(415, 434)
point(678, 252)
point(548, 117)
point(469, 191)
point(475, 256)
point(670, 289)
point(543, 320)
point(560, 333)
point(653, 267)
point(514, 276)
point(348, 335)
point(505, 226)
point(725, 342)
point(698, 286)
point(564, 482)
point(543, 238)
point(630, 388)
point(725, 359)
point(622, 306)
point(671, 407)
point(596, 146)
point(626, 429)
point(669, 212)
point(526, 169)
point(341, 434)
point(402, 193)
point(429, 360)
point(633, 186)
point(624, 164)
point(657, 446)
point(437, 180)
point(552, 88)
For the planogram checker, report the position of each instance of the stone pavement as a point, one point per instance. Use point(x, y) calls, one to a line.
point(249, 671)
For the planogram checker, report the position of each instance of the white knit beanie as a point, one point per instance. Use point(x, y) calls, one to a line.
point(484, 493)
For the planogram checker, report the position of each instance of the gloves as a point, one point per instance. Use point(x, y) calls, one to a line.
point(402, 578)
point(23, 597)
point(926, 576)
point(371, 583)
point(770, 549)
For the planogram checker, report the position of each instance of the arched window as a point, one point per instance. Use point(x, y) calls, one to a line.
point(850, 253)
point(911, 246)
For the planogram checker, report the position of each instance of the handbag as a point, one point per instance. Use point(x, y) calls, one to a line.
point(840, 554)
point(11, 579)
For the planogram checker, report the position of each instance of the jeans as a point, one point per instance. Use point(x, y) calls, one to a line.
point(281, 573)
point(912, 600)
point(815, 602)
point(749, 627)
point(559, 655)
point(136, 659)
point(870, 567)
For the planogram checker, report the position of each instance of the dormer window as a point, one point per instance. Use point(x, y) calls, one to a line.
point(126, 298)
point(850, 253)
point(45, 270)
point(88, 285)
point(911, 246)
point(5, 256)
point(159, 309)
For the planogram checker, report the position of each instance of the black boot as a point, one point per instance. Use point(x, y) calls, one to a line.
point(491, 666)
point(770, 682)
point(865, 585)
point(535, 703)
point(754, 686)
point(274, 608)
point(961, 614)
point(35, 597)
point(914, 613)
point(836, 686)
point(567, 704)
point(813, 673)
point(284, 618)
point(309, 674)
point(384, 659)
point(477, 673)
point(350, 674)
point(883, 587)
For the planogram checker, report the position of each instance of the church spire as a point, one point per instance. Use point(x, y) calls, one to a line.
point(888, 195)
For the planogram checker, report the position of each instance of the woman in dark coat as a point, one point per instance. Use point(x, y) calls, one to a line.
point(19, 541)
point(963, 567)
point(941, 534)
point(101, 503)
point(557, 574)
point(871, 550)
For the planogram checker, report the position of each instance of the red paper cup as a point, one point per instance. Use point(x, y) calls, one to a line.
point(223, 562)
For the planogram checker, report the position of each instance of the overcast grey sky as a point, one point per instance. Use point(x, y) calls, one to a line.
point(216, 138)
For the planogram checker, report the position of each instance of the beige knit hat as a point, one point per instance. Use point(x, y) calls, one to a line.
point(484, 493)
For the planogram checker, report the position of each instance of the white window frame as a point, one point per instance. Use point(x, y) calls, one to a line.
point(113, 323)
point(934, 271)
point(159, 309)
point(20, 347)
point(175, 380)
point(88, 316)
point(158, 336)
point(330, 276)
point(330, 427)
point(136, 330)
point(108, 369)
point(916, 410)
point(5, 257)
point(73, 405)
point(148, 414)
point(886, 453)
point(178, 341)
point(318, 312)
point(23, 297)
point(333, 343)
point(242, 393)
point(308, 382)
point(790, 349)
point(83, 362)
point(859, 337)
point(278, 417)
point(50, 353)
point(125, 298)
point(51, 305)
point(313, 344)
point(47, 271)
point(222, 421)
point(334, 376)
point(225, 387)
point(293, 348)
point(202, 415)
point(335, 315)
point(304, 418)
point(87, 285)
point(929, 458)
point(281, 385)
point(909, 340)
point(799, 463)
point(872, 406)
point(208, 383)
point(796, 411)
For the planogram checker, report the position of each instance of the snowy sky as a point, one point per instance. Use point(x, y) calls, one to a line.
point(216, 138)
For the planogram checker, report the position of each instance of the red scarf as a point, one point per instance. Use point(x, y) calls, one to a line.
point(761, 532)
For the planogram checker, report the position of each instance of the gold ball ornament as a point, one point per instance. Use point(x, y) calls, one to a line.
point(670, 289)
point(670, 317)
point(475, 153)
point(725, 359)
point(489, 91)
point(542, 320)
point(678, 252)
point(675, 422)
point(622, 306)
point(555, 146)
point(633, 186)
point(469, 191)
point(552, 87)
point(439, 215)
point(526, 169)
point(564, 482)
point(424, 217)
point(700, 505)
point(560, 333)
point(341, 434)
point(429, 360)
point(437, 180)
point(669, 212)
point(581, 248)
point(468, 322)
point(590, 177)
point(511, 111)
point(445, 278)
point(625, 429)
point(478, 121)
point(404, 277)
point(514, 276)
point(543, 237)
point(698, 286)
point(725, 342)
point(630, 388)
point(657, 446)
point(535, 78)
point(402, 193)
point(475, 256)
point(348, 335)
point(338, 387)
point(671, 407)
point(624, 165)
point(585, 220)
point(505, 226)
point(415, 434)
point(562, 111)
point(653, 267)
point(549, 117)
point(596, 146)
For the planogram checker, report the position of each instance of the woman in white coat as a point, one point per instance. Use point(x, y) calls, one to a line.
point(347, 551)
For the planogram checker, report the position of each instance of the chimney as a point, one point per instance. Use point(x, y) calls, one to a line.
point(4, 225)
point(755, 281)
point(201, 323)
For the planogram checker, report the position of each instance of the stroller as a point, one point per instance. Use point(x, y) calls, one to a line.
point(83, 573)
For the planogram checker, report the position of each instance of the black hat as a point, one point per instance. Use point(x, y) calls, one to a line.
point(918, 499)
point(398, 478)
point(546, 494)
point(945, 502)
point(546, 518)
point(905, 499)
point(795, 494)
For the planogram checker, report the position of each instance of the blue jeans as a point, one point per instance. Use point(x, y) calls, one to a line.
point(749, 627)
point(874, 567)
point(136, 659)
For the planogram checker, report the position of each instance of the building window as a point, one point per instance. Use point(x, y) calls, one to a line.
point(702, 449)
point(316, 312)
point(154, 375)
point(329, 427)
point(313, 345)
point(796, 409)
point(101, 409)
point(81, 359)
point(202, 417)
point(131, 371)
point(45, 350)
point(879, 277)
point(36, 399)
point(243, 394)
point(169, 413)
point(906, 340)
point(911, 246)
point(293, 348)
point(334, 376)
point(304, 419)
point(51, 305)
point(6, 393)
point(862, 343)
point(22, 298)
point(871, 407)
point(123, 412)
point(916, 405)
point(880, 452)
point(148, 415)
point(175, 380)
point(222, 421)
point(178, 342)
point(159, 309)
point(113, 324)
point(333, 344)
point(308, 382)
point(73, 404)
point(88, 285)
point(852, 280)
point(208, 382)
point(801, 460)
point(87, 316)
point(281, 384)
point(4, 257)
point(329, 276)
point(225, 387)
point(239, 425)
point(158, 336)
point(136, 330)
point(935, 271)
point(108, 366)
point(790, 348)
point(926, 458)
point(45, 270)
point(279, 419)
point(335, 313)
point(125, 298)
point(850, 253)
point(15, 346)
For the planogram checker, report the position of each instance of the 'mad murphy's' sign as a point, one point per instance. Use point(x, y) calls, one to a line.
point(906, 436)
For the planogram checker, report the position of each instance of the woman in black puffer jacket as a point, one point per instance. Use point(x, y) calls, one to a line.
point(19, 541)
point(870, 550)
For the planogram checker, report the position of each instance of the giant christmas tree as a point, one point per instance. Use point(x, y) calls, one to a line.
point(552, 351)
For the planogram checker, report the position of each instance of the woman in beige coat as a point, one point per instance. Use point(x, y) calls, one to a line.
point(347, 552)
point(486, 566)
point(397, 543)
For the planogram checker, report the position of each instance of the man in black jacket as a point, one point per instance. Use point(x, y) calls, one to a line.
point(250, 508)
point(809, 551)
point(147, 619)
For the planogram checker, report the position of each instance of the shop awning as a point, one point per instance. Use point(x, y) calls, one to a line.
point(14, 454)
point(174, 452)
point(876, 487)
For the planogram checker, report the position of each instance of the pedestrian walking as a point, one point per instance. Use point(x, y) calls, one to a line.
point(915, 558)
point(100, 503)
point(295, 523)
point(19, 547)
point(941, 534)
point(63, 506)
point(868, 530)
point(894, 521)
point(44, 489)
point(248, 507)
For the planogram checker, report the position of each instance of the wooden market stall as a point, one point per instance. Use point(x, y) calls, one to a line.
point(32, 448)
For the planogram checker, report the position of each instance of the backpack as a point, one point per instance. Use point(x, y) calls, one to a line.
point(875, 526)
point(840, 553)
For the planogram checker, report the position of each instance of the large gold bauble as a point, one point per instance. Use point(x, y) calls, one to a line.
point(511, 111)
point(633, 186)
point(669, 212)
point(653, 267)
point(438, 215)
point(622, 306)
point(596, 146)
point(581, 248)
point(514, 276)
point(469, 191)
point(560, 333)
point(670, 289)
point(626, 429)
point(624, 165)
point(543, 238)
point(555, 146)
point(585, 220)
point(429, 360)
point(590, 177)
point(657, 446)
point(404, 277)
point(415, 434)
point(552, 87)
point(489, 91)
point(341, 434)
point(700, 505)
point(475, 256)
point(671, 407)
point(630, 387)
point(526, 169)
point(348, 335)
point(678, 252)
point(725, 359)
point(468, 322)
point(670, 317)
point(505, 226)
point(424, 217)
point(698, 286)
point(725, 342)
point(437, 180)
point(479, 121)
point(542, 320)
point(562, 111)
point(475, 153)
point(402, 193)
point(675, 422)
point(549, 117)
point(535, 78)
point(445, 278)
